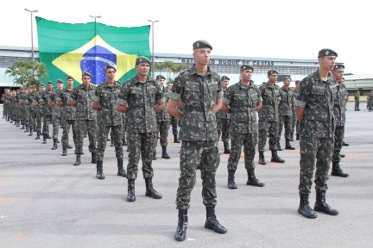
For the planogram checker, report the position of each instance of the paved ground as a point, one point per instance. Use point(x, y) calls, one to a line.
point(45, 201)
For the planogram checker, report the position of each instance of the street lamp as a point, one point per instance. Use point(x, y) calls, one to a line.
point(153, 67)
point(32, 32)
point(92, 16)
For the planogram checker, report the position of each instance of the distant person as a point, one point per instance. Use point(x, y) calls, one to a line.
point(285, 113)
point(174, 121)
point(222, 119)
point(370, 101)
point(357, 100)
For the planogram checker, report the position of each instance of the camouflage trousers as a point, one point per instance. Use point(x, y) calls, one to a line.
point(117, 136)
point(174, 123)
point(32, 118)
point(223, 129)
point(248, 141)
point(293, 125)
point(38, 121)
point(314, 151)
point(140, 144)
point(284, 121)
point(66, 124)
point(162, 133)
point(203, 155)
point(338, 141)
point(267, 129)
point(46, 121)
point(81, 127)
point(56, 121)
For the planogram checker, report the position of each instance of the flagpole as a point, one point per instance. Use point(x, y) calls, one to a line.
point(32, 32)
point(95, 17)
point(153, 67)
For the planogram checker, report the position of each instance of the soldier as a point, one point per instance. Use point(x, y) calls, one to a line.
point(38, 110)
point(295, 123)
point(357, 100)
point(67, 115)
point(81, 99)
point(163, 123)
point(199, 91)
point(370, 101)
point(174, 121)
point(31, 109)
point(141, 97)
point(314, 110)
point(104, 102)
point(339, 108)
point(47, 111)
point(268, 117)
point(242, 100)
point(222, 119)
point(56, 112)
point(285, 113)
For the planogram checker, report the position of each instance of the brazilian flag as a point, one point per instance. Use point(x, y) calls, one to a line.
point(70, 49)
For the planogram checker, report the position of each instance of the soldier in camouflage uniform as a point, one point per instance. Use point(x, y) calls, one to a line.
point(295, 122)
point(199, 91)
point(56, 112)
point(314, 110)
point(38, 110)
point(242, 100)
point(268, 117)
point(173, 120)
point(81, 99)
point(357, 100)
point(32, 110)
point(163, 123)
point(222, 119)
point(141, 97)
point(339, 108)
point(285, 113)
point(47, 111)
point(104, 102)
point(370, 101)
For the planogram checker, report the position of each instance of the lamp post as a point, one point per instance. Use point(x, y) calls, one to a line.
point(92, 16)
point(32, 32)
point(153, 67)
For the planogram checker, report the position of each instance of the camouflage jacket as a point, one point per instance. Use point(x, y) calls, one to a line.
point(286, 104)
point(67, 112)
point(84, 99)
point(163, 115)
point(339, 107)
point(106, 95)
point(47, 110)
point(270, 96)
point(56, 110)
point(198, 94)
point(141, 99)
point(316, 97)
point(242, 101)
point(221, 114)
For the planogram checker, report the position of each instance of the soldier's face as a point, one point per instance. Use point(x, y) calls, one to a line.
point(70, 81)
point(225, 83)
point(338, 74)
point(327, 62)
point(286, 82)
point(86, 80)
point(143, 69)
point(202, 56)
point(272, 78)
point(161, 82)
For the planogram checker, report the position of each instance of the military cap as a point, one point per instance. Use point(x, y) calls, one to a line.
point(69, 77)
point(160, 76)
point(110, 66)
point(225, 78)
point(246, 67)
point(59, 81)
point(50, 82)
point(286, 77)
point(297, 81)
point(327, 52)
point(142, 59)
point(201, 44)
point(42, 85)
point(270, 72)
point(86, 74)
point(339, 66)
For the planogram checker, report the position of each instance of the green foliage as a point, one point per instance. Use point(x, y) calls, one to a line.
point(27, 73)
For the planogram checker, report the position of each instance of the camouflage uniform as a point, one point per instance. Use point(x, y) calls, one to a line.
point(38, 113)
point(56, 117)
point(357, 100)
point(370, 101)
point(47, 113)
point(222, 119)
point(199, 134)
point(294, 123)
point(285, 113)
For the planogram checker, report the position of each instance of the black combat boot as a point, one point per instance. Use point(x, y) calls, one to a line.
point(226, 148)
point(297, 137)
point(261, 158)
point(182, 225)
point(345, 144)
point(176, 139)
point(69, 146)
point(304, 207)
point(54, 147)
point(278, 146)
point(150, 191)
point(321, 205)
point(212, 222)
point(155, 154)
point(164, 152)
point(288, 146)
point(231, 183)
point(275, 158)
point(23, 126)
point(252, 180)
point(121, 172)
point(100, 173)
point(337, 171)
point(48, 136)
point(44, 139)
point(37, 135)
point(77, 161)
point(93, 158)
point(131, 197)
point(64, 150)
point(31, 133)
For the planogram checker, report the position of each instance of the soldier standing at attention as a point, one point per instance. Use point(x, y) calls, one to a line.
point(222, 119)
point(295, 127)
point(199, 91)
point(163, 123)
point(357, 100)
point(268, 117)
point(86, 118)
point(56, 112)
point(174, 121)
point(339, 108)
point(38, 110)
point(104, 102)
point(285, 113)
point(47, 111)
point(141, 97)
point(242, 100)
point(314, 110)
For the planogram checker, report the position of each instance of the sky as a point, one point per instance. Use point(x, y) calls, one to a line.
point(292, 29)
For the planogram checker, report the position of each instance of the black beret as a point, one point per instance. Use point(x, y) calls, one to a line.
point(59, 81)
point(339, 66)
point(50, 82)
point(160, 76)
point(110, 66)
point(86, 74)
point(247, 67)
point(327, 52)
point(142, 59)
point(42, 85)
point(286, 77)
point(69, 77)
point(201, 44)
point(270, 72)
point(225, 78)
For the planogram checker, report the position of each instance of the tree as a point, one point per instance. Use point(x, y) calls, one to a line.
point(27, 73)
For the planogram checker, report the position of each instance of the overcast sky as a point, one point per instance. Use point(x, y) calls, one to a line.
point(271, 29)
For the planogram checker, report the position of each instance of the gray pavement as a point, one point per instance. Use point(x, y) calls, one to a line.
point(45, 201)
